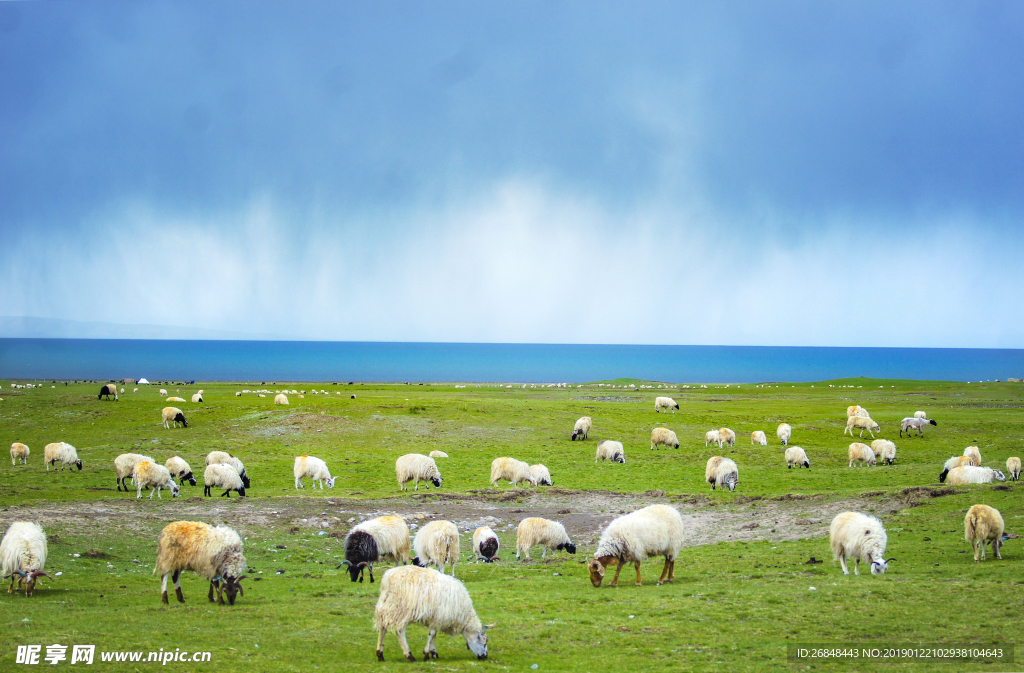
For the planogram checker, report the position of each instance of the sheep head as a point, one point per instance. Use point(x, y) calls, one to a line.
point(330, 482)
point(998, 474)
point(232, 588)
point(596, 567)
point(476, 642)
point(436, 481)
point(78, 464)
point(567, 546)
point(30, 578)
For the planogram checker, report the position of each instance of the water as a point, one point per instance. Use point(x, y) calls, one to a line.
point(369, 361)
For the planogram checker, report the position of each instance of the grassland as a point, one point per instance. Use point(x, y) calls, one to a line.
point(743, 587)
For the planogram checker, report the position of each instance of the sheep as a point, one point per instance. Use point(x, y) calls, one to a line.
point(124, 466)
point(516, 471)
point(162, 392)
point(1013, 467)
point(312, 468)
point(974, 454)
point(485, 544)
point(663, 436)
point(374, 540)
point(417, 467)
point(540, 474)
point(848, 542)
point(861, 453)
point(608, 449)
point(19, 452)
point(437, 544)
point(360, 554)
point(722, 472)
point(197, 398)
point(213, 553)
point(908, 424)
point(856, 410)
point(175, 399)
point(726, 436)
point(108, 390)
point(135, 390)
point(784, 432)
point(280, 398)
point(955, 461)
point(885, 451)
point(181, 470)
point(711, 437)
point(23, 555)
point(797, 456)
point(984, 524)
point(122, 389)
point(920, 414)
point(425, 596)
point(222, 476)
point(582, 428)
point(758, 437)
point(437, 454)
point(665, 403)
point(173, 415)
point(969, 474)
point(62, 451)
point(225, 458)
point(238, 394)
point(863, 423)
point(535, 530)
point(652, 531)
point(148, 473)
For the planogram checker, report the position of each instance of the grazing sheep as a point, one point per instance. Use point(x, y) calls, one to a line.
point(225, 458)
point(652, 531)
point(313, 468)
point(758, 437)
point(722, 472)
point(1013, 467)
point(540, 474)
point(173, 415)
point(711, 437)
point(222, 476)
point(157, 477)
point(582, 428)
point(726, 436)
point(108, 390)
point(197, 398)
point(23, 555)
point(175, 399)
point(19, 452)
point(969, 474)
point(280, 398)
point(213, 553)
point(955, 461)
point(437, 454)
point(663, 436)
point(797, 456)
point(485, 544)
point(62, 451)
point(124, 466)
point(361, 553)
point(908, 424)
point(974, 453)
point(863, 423)
point(861, 453)
point(237, 394)
point(180, 470)
point(784, 432)
point(425, 596)
point(515, 471)
point(392, 537)
point(608, 449)
point(163, 392)
point(984, 524)
point(885, 451)
point(535, 530)
point(855, 410)
point(920, 414)
point(417, 467)
point(665, 403)
point(135, 390)
point(437, 544)
point(859, 537)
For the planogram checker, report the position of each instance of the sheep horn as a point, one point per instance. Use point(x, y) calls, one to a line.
point(346, 561)
point(889, 559)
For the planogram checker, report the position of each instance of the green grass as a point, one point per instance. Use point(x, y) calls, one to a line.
point(733, 606)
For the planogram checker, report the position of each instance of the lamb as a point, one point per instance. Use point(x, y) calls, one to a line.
point(173, 415)
point(608, 449)
point(722, 472)
point(540, 474)
point(984, 524)
point(711, 437)
point(582, 428)
point(797, 456)
point(908, 424)
point(62, 451)
point(437, 543)
point(1012, 467)
point(974, 454)
point(181, 470)
point(535, 530)
point(652, 531)
point(23, 555)
point(148, 473)
point(19, 452)
point(312, 468)
point(124, 466)
point(848, 542)
point(920, 414)
point(969, 474)
point(516, 471)
point(225, 458)
point(175, 399)
point(861, 453)
point(856, 410)
point(425, 596)
point(486, 544)
point(197, 398)
point(437, 454)
point(758, 437)
point(726, 436)
point(213, 553)
point(663, 436)
point(955, 461)
point(222, 476)
point(665, 403)
point(885, 451)
point(417, 467)
point(108, 390)
point(862, 422)
point(784, 432)
point(390, 538)
point(163, 392)
point(280, 398)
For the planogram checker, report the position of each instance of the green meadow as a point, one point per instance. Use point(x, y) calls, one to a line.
point(756, 578)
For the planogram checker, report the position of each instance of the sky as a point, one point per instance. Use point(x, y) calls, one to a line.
point(721, 173)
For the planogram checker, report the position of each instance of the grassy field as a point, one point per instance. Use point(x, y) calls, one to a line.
point(743, 590)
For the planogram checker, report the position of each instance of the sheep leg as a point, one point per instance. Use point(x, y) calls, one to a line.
point(856, 566)
point(380, 643)
point(400, 632)
point(10, 589)
point(209, 595)
point(163, 588)
point(226, 493)
point(637, 564)
point(842, 562)
point(664, 571)
point(430, 650)
point(298, 483)
point(543, 553)
point(615, 580)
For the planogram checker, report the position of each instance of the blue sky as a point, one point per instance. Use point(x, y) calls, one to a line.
point(840, 174)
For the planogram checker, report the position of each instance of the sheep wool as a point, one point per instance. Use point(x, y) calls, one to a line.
point(124, 466)
point(969, 474)
point(62, 451)
point(862, 423)
point(23, 555)
point(722, 472)
point(437, 544)
point(157, 477)
point(608, 449)
point(391, 534)
point(20, 452)
point(885, 451)
point(655, 530)
point(665, 403)
point(859, 537)
point(485, 544)
point(758, 437)
point(180, 470)
point(784, 432)
point(173, 415)
point(1013, 467)
point(535, 530)
point(974, 453)
point(417, 467)
point(540, 474)
point(222, 476)
point(582, 428)
point(797, 456)
point(861, 453)
point(856, 410)
point(515, 471)
point(311, 467)
point(437, 454)
point(920, 414)
point(213, 553)
point(663, 437)
point(280, 398)
point(981, 525)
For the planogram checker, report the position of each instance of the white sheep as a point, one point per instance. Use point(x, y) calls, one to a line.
point(124, 466)
point(540, 474)
point(163, 392)
point(920, 414)
point(908, 424)
point(197, 398)
point(861, 453)
point(856, 410)
point(582, 428)
point(722, 472)
point(863, 423)
point(859, 537)
point(437, 454)
point(726, 436)
point(20, 452)
point(23, 555)
point(969, 474)
point(180, 470)
point(213, 553)
point(535, 530)
point(175, 399)
point(663, 436)
point(485, 544)
point(222, 476)
point(711, 437)
point(665, 403)
point(1013, 467)
point(608, 449)
point(974, 453)
point(425, 596)
point(225, 458)
point(758, 437)
point(156, 476)
point(984, 524)
point(135, 390)
point(238, 394)
point(417, 467)
point(885, 451)
point(796, 456)
point(437, 544)
point(311, 467)
point(784, 432)
point(391, 534)
point(654, 530)
point(515, 471)
point(173, 415)
point(955, 461)
point(280, 398)
point(62, 451)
